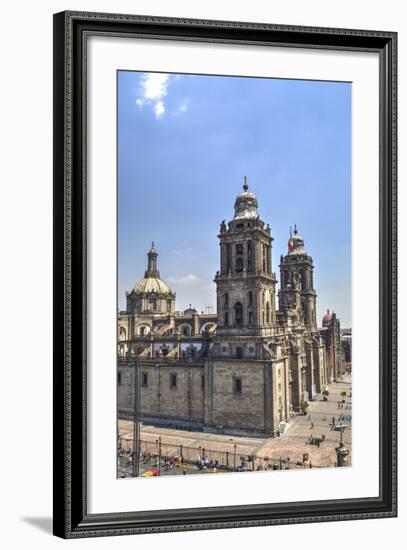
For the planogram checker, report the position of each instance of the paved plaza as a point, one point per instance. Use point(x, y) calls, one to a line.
point(315, 434)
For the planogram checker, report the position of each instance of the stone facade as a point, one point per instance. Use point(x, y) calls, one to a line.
point(245, 369)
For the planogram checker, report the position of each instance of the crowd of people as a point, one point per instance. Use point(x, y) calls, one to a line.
point(202, 461)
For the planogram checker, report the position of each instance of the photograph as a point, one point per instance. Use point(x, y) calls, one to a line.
point(234, 274)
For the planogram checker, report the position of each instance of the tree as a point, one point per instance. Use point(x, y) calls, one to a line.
point(343, 393)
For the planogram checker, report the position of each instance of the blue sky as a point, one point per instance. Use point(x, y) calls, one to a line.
point(184, 144)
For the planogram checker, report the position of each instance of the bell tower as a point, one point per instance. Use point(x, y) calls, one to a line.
point(297, 281)
point(245, 282)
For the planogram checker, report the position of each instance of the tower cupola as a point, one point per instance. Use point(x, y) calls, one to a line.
point(246, 204)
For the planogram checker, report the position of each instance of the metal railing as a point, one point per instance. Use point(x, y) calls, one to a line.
point(158, 452)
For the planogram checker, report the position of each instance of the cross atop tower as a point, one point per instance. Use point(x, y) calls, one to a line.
point(245, 184)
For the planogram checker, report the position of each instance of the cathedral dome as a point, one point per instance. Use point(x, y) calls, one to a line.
point(246, 204)
point(152, 284)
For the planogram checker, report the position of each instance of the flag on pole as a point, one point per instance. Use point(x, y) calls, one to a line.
point(290, 240)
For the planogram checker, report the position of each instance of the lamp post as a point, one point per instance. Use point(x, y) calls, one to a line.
point(136, 420)
point(342, 452)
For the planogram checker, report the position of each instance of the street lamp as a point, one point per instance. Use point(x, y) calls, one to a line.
point(136, 420)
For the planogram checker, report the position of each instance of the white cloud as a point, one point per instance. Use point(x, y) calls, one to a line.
point(155, 85)
point(181, 251)
point(159, 109)
point(189, 279)
point(153, 91)
point(182, 108)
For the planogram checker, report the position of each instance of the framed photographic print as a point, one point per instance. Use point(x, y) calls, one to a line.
point(224, 274)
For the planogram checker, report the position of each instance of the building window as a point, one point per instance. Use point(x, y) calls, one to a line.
point(238, 314)
point(186, 331)
point(239, 352)
point(228, 258)
point(152, 303)
point(168, 305)
point(226, 319)
point(144, 379)
point(239, 249)
point(237, 386)
point(302, 278)
point(119, 377)
point(239, 265)
point(249, 256)
point(251, 349)
point(226, 300)
point(268, 312)
point(250, 317)
point(250, 297)
point(173, 381)
point(203, 382)
point(142, 331)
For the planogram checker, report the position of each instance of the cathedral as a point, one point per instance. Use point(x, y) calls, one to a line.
point(244, 370)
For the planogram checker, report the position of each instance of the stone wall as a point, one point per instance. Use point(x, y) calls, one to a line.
point(161, 400)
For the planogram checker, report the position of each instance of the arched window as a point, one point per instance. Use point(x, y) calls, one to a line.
point(226, 319)
point(226, 300)
point(268, 312)
point(238, 314)
point(250, 297)
point(142, 331)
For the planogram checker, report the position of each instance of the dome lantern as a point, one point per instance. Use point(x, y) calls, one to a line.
point(152, 270)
